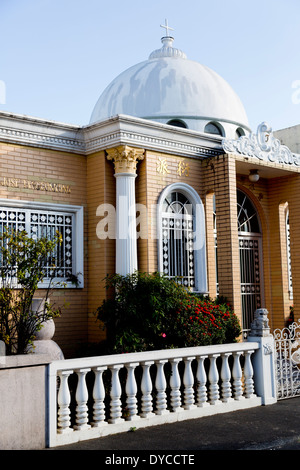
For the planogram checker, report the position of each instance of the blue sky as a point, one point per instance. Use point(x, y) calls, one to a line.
point(57, 56)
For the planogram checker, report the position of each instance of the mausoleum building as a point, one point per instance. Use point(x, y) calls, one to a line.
point(167, 176)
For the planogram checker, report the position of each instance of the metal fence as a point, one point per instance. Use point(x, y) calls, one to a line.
point(287, 361)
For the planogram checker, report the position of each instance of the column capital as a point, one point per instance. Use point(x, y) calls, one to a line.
point(125, 158)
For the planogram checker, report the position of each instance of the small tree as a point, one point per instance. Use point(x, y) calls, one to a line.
point(22, 268)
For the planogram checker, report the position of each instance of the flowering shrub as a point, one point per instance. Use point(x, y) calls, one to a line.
point(149, 311)
point(203, 322)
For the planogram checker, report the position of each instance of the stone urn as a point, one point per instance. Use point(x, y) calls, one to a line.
point(43, 343)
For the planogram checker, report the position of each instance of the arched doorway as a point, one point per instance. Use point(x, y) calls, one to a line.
point(250, 251)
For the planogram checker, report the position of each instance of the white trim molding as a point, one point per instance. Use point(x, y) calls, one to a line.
point(112, 132)
point(24, 130)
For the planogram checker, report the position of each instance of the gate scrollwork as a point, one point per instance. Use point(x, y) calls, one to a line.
point(287, 360)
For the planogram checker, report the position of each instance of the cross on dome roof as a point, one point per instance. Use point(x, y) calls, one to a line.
point(167, 27)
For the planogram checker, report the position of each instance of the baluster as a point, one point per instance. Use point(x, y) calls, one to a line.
point(201, 383)
point(226, 377)
point(131, 391)
point(81, 400)
point(160, 385)
point(175, 385)
point(188, 380)
point(248, 374)
point(237, 376)
point(146, 387)
point(63, 401)
point(213, 377)
point(115, 395)
point(99, 396)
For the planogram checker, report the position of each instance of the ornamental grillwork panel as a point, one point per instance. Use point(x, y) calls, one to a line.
point(250, 278)
point(288, 239)
point(178, 250)
point(287, 361)
point(44, 224)
point(12, 219)
point(178, 240)
point(47, 224)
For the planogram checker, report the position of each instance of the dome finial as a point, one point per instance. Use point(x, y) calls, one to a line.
point(167, 50)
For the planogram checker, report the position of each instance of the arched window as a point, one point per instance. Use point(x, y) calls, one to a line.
point(177, 123)
point(239, 133)
point(250, 250)
point(247, 215)
point(182, 252)
point(214, 128)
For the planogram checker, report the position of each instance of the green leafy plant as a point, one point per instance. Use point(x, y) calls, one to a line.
point(22, 268)
point(135, 315)
point(149, 311)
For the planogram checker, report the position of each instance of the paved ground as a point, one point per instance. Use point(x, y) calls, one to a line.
point(272, 427)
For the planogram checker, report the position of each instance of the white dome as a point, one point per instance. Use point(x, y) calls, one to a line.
point(168, 87)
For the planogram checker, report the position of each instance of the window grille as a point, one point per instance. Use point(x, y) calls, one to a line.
point(178, 239)
point(250, 258)
point(247, 216)
point(42, 223)
point(250, 278)
point(216, 244)
point(288, 241)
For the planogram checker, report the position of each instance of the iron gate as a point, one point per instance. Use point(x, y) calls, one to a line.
point(250, 269)
point(287, 361)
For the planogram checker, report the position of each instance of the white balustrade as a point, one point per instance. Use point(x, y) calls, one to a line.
point(237, 376)
point(213, 380)
point(81, 400)
point(201, 381)
point(99, 396)
point(63, 401)
point(131, 391)
point(248, 375)
point(160, 384)
point(175, 385)
point(188, 380)
point(226, 379)
point(115, 395)
point(144, 388)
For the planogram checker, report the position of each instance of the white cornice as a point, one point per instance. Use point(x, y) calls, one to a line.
point(118, 130)
point(127, 130)
point(25, 130)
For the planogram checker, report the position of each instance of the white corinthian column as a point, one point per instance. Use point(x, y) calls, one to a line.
point(125, 160)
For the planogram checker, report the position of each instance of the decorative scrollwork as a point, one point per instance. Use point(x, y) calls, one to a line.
point(287, 357)
point(263, 146)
